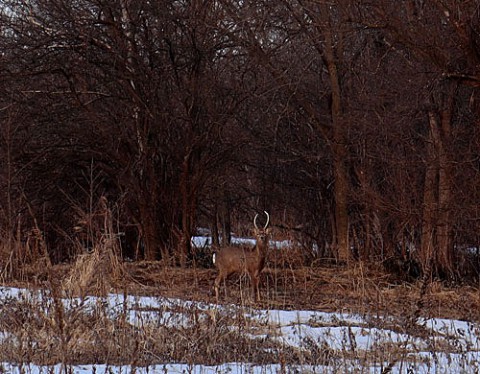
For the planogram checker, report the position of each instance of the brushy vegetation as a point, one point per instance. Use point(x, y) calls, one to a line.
point(67, 317)
point(355, 125)
point(59, 323)
point(127, 127)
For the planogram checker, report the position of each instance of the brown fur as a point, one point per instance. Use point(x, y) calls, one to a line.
point(231, 260)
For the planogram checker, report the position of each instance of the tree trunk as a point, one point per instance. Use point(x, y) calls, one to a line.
point(226, 222)
point(214, 228)
point(437, 248)
point(339, 146)
point(149, 232)
point(188, 211)
point(341, 205)
point(429, 207)
point(444, 230)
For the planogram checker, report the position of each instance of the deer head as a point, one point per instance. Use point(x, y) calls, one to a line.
point(261, 234)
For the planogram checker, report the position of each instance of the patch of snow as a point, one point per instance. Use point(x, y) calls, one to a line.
point(298, 329)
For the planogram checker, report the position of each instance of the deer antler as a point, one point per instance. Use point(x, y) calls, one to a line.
point(266, 224)
point(268, 219)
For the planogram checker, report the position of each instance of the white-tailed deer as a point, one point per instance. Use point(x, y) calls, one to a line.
point(231, 260)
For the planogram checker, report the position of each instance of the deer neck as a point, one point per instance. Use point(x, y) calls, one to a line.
point(261, 247)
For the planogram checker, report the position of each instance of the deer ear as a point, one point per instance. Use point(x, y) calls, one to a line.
point(268, 231)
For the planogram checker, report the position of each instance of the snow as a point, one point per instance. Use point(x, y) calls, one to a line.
point(298, 329)
point(231, 368)
point(205, 241)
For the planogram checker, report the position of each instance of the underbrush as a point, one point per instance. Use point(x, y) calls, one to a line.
point(46, 327)
point(102, 311)
point(56, 323)
point(41, 329)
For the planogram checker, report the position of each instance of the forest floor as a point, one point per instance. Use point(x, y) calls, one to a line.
point(358, 289)
point(325, 317)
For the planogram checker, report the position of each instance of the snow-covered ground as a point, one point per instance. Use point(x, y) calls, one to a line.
point(444, 346)
point(206, 241)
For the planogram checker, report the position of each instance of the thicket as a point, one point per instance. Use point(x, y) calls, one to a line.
point(355, 124)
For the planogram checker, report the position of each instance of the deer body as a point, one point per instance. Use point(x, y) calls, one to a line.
point(231, 260)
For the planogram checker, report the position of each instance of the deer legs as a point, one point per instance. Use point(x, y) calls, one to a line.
point(254, 281)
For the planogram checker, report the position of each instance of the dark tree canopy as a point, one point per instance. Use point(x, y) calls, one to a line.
point(354, 124)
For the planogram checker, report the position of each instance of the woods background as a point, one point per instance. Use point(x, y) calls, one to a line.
point(354, 123)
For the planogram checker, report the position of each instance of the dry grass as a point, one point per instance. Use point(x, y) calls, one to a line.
point(359, 289)
point(42, 330)
point(95, 273)
point(90, 336)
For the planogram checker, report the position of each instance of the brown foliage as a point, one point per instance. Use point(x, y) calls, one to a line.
point(355, 124)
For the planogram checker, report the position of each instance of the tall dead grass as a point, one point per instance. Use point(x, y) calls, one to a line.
point(35, 332)
point(96, 270)
point(60, 324)
point(54, 326)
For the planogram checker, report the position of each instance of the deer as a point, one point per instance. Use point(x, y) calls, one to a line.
point(230, 260)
